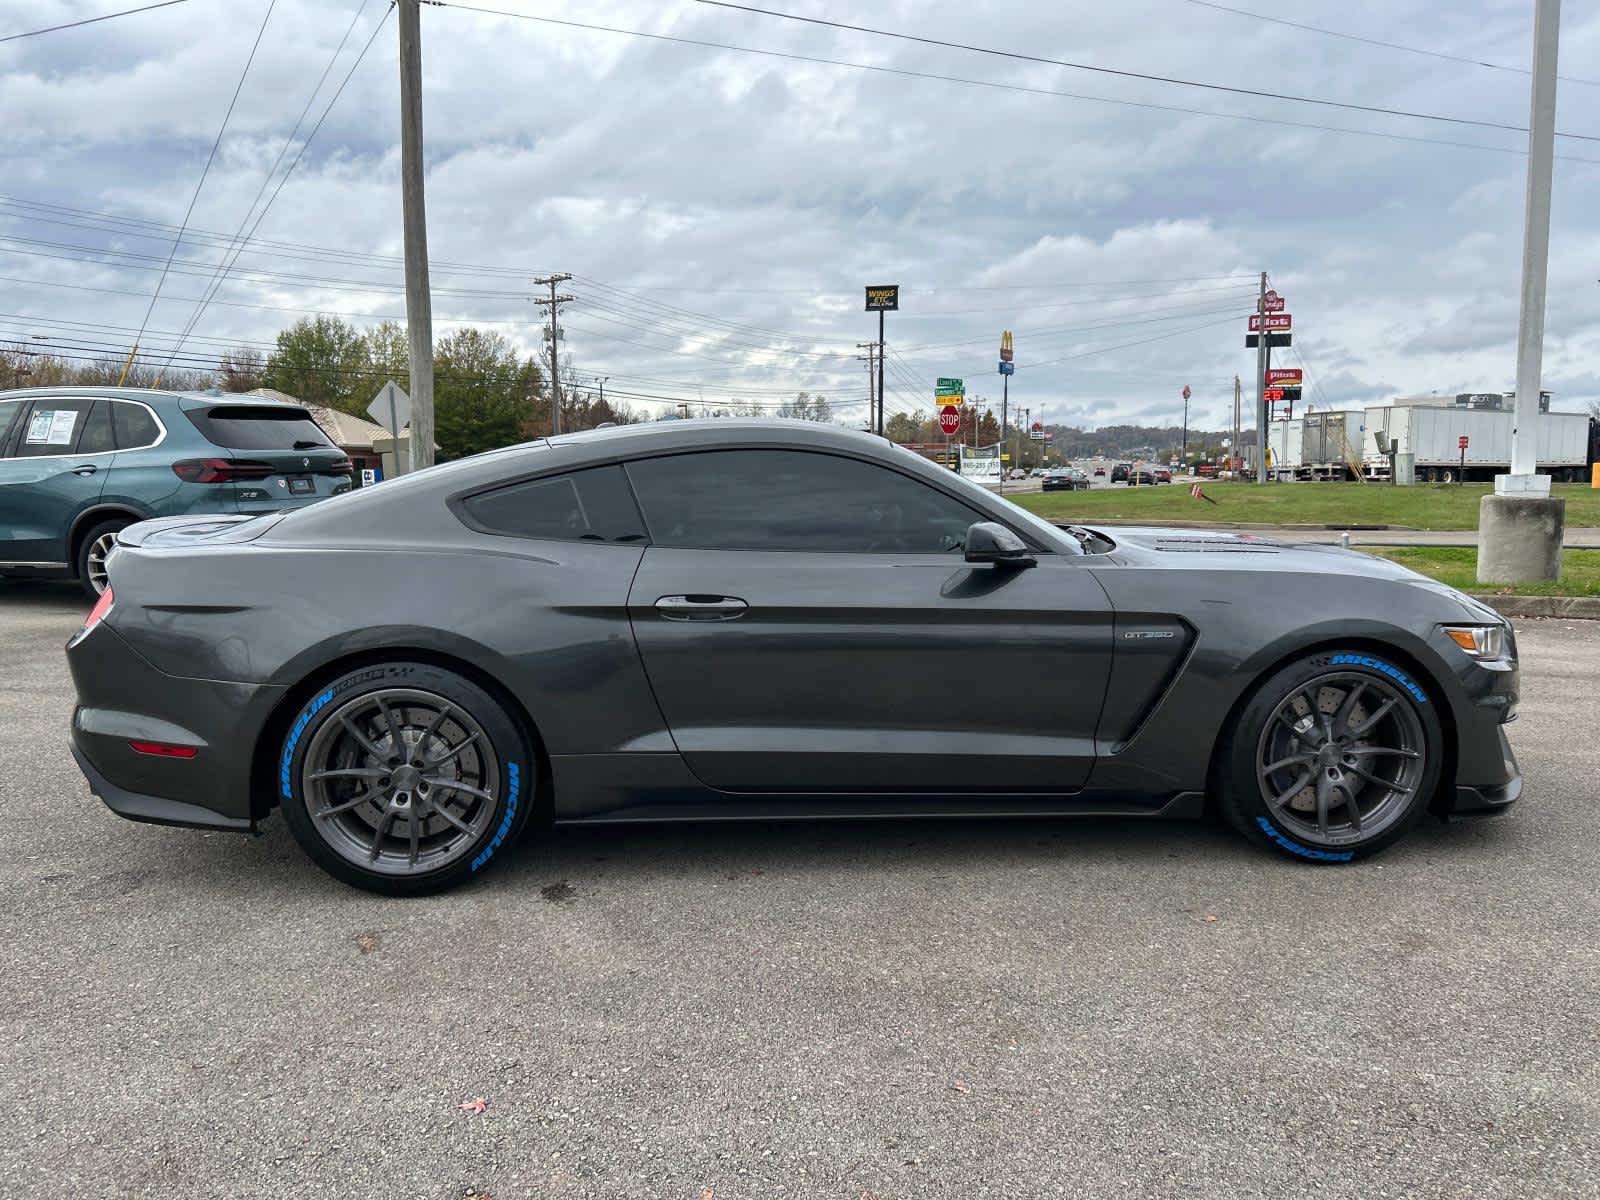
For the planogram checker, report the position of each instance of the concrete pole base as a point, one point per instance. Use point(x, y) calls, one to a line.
point(1519, 538)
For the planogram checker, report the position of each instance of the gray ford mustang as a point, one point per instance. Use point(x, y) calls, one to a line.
point(763, 619)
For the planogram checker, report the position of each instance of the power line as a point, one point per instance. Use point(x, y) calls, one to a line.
point(907, 73)
point(1125, 345)
point(237, 244)
point(1355, 37)
point(210, 158)
point(127, 12)
point(1125, 74)
point(299, 154)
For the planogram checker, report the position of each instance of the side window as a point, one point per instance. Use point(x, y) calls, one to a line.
point(133, 424)
point(589, 505)
point(52, 425)
point(8, 415)
point(96, 436)
point(793, 500)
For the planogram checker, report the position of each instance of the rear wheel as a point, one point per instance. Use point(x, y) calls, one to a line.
point(404, 778)
point(93, 549)
point(1333, 758)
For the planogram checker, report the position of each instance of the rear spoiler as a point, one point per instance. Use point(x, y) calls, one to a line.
point(213, 530)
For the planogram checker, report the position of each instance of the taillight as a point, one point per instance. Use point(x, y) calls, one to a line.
point(220, 470)
point(98, 613)
point(343, 467)
point(162, 749)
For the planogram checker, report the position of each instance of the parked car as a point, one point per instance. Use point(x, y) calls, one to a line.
point(1016, 473)
point(77, 465)
point(1163, 475)
point(728, 619)
point(1120, 472)
point(1206, 470)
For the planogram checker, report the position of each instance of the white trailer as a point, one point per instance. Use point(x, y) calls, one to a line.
point(1318, 445)
point(1432, 435)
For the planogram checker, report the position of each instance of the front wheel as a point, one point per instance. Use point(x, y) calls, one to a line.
point(1333, 758)
point(404, 778)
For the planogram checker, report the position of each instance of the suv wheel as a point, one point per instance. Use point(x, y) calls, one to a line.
point(93, 549)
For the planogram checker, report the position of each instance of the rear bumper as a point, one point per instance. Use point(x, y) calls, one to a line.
point(123, 699)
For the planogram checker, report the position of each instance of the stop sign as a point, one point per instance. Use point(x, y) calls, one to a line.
point(949, 419)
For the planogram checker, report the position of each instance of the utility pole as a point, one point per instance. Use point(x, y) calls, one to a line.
point(1520, 526)
point(553, 333)
point(1234, 449)
point(870, 357)
point(419, 303)
point(880, 373)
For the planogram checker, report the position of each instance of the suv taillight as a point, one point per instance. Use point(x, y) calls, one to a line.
point(98, 613)
point(343, 467)
point(220, 470)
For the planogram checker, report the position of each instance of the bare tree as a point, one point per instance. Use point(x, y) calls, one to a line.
point(240, 370)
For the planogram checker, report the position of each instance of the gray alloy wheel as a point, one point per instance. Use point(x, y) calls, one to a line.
point(401, 782)
point(1341, 759)
point(95, 560)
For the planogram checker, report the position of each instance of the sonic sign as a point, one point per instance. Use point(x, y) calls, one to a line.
point(883, 297)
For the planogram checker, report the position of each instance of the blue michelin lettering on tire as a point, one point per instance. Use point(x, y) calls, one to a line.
point(1383, 668)
point(1294, 847)
point(514, 774)
point(298, 728)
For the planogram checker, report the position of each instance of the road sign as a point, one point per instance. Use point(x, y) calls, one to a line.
point(1273, 302)
point(883, 297)
point(1276, 322)
point(949, 387)
point(1461, 442)
point(950, 420)
point(1285, 377)
point(391, 408)
point(1006, 347)
point(1007, 368)
point(1274, 340)
point(1186, 392)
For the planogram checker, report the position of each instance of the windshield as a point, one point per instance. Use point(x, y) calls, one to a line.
point(259, 427)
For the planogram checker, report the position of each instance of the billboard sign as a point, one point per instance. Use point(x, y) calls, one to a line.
point(883, 297)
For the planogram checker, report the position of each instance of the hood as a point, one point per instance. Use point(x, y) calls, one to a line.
point(1212, 548)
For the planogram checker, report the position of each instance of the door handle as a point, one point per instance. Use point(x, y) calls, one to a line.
point(699, 607)
point(86, 469)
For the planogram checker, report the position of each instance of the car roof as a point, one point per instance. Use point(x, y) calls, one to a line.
point(188, 399)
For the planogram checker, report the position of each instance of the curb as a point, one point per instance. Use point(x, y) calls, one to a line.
point(1577, 608)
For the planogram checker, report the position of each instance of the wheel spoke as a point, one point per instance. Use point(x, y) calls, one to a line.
point(397, 738)
point(1293, 790)
point(433, 728)
point(1390, 784)
point(1341, 719)
point(370, 794)
point(454, 785)
point(452, 752)
point(361, 738)
point(1375, 716)
point(415, 833)
point(1294, 760)
point(1354, 810)
point(349, 773)
point(378, 835)
point(1394, 751)
point(442, 811)
point(1324, 797)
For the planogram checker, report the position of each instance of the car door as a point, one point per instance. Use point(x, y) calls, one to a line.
point(808, 624)
point(55, 466)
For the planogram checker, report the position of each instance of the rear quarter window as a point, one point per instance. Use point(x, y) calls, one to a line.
point(259, 427)
point(592, 505)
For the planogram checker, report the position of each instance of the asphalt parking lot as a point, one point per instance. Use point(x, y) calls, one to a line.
point(1008, 1009)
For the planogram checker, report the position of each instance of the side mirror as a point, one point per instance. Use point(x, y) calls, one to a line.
point(991, 542)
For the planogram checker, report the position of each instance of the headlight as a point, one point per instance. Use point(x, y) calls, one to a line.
point(1480, 641)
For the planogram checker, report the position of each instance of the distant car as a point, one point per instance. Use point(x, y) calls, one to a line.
point(1206, 470)
point(1064, 479)
point(1099, 472)
point(1163, 475)
point(1017, 473)
point(78, 465)
point(1120, 472)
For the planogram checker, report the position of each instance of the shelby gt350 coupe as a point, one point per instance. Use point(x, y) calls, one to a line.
point(698, 620)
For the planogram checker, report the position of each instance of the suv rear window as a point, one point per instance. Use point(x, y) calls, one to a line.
point(259, 427)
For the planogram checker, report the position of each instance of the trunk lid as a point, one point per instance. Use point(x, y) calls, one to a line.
point(278, 456)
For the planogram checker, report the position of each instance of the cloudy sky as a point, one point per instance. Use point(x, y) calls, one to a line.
point(721, 209)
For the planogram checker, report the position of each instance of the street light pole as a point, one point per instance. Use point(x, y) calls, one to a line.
point(419, 304)
point(1520, 526)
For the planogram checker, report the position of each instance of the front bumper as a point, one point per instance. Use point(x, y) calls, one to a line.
point(123, 699)
point(1489, 798)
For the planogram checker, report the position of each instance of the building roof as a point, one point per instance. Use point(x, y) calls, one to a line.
point(344, 430)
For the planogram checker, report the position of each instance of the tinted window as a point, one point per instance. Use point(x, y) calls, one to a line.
point(259, 427)
point(791, 500)
point(96, 436)
point(8, 413)
point(52, 426)
point(134, 426)
point(592, 505)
